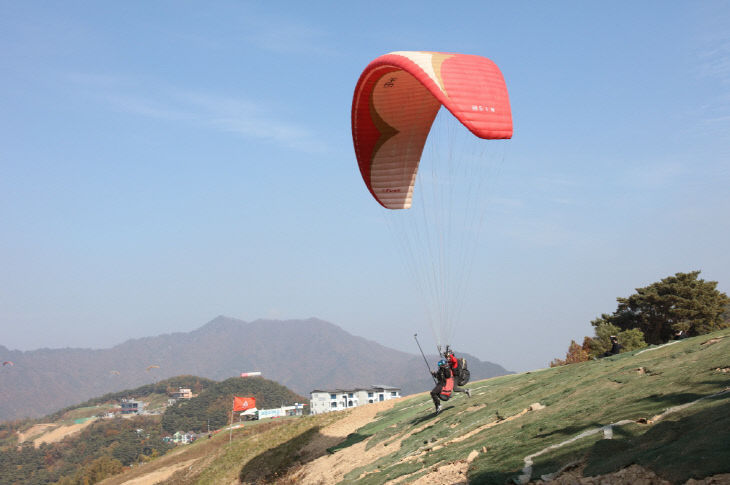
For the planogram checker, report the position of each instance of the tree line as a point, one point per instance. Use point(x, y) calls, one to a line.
point(678, 306)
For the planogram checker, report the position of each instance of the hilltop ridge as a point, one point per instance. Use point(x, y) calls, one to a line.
point(300, 354)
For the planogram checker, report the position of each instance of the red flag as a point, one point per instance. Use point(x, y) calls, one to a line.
point(243, 403)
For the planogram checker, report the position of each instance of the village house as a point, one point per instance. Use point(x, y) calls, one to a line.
point(181, 438)
point(324, 401)
point(182, 393)
point(131, 406)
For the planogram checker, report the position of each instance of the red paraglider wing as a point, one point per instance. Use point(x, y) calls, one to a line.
point(396, 100)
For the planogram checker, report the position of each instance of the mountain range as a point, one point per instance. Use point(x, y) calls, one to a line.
point(301, 354)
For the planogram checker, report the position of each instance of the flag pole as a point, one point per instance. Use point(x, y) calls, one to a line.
point(230, 424)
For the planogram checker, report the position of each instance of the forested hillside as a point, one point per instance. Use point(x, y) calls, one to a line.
point(213, 406)
point(106, 446)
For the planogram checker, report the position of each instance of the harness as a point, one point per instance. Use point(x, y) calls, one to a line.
point(447, 389)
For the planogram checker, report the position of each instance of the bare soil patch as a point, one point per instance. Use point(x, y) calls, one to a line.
point(159, 475)
point(352, 421)
point(712, 341)
point(631, 475)
point(448, 474)
point(51, 433)
point(330, 469)
point(723, 479)
point(61, 432)
point(533, 407)
point(34, 431)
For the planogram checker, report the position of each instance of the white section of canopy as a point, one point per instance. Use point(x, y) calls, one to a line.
point(408, 107)
point(424, 60)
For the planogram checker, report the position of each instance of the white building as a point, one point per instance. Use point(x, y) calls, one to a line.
point(131, 406)
point(182, 393)
point(324, 401)
point(296, 410)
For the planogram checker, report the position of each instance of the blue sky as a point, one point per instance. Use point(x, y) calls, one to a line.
point(162, 163)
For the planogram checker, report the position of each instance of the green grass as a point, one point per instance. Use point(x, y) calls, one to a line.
point(578, 397)
point(84, 412)
point(156, 402)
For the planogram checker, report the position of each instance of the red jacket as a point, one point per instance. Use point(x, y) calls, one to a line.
point(452, 361)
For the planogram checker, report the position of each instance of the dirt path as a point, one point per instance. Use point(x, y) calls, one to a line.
point(159, 475)
point(329, 469)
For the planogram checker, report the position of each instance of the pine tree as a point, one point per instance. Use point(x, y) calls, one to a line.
point(679, 302)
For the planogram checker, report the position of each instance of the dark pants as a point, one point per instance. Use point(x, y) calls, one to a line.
point(435, 394)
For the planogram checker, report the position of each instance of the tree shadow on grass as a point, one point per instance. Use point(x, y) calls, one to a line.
point(721, 379)
point(351, 439)
point(276, 462)
point(688, 444)
point(675, 399)
point(568, 430)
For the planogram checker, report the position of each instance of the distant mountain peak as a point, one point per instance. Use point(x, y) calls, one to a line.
point(300, 354)
point(221, 322)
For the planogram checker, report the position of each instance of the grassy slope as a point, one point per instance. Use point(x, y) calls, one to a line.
point(687, 443)
point(257, 444)
point(577, 398)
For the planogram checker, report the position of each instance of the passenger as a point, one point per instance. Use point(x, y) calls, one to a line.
point(444, 385)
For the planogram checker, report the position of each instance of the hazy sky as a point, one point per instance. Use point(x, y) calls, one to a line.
point(162, 163)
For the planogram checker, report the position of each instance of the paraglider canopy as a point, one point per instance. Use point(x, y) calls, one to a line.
point(397, 120)
point(396, 100)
